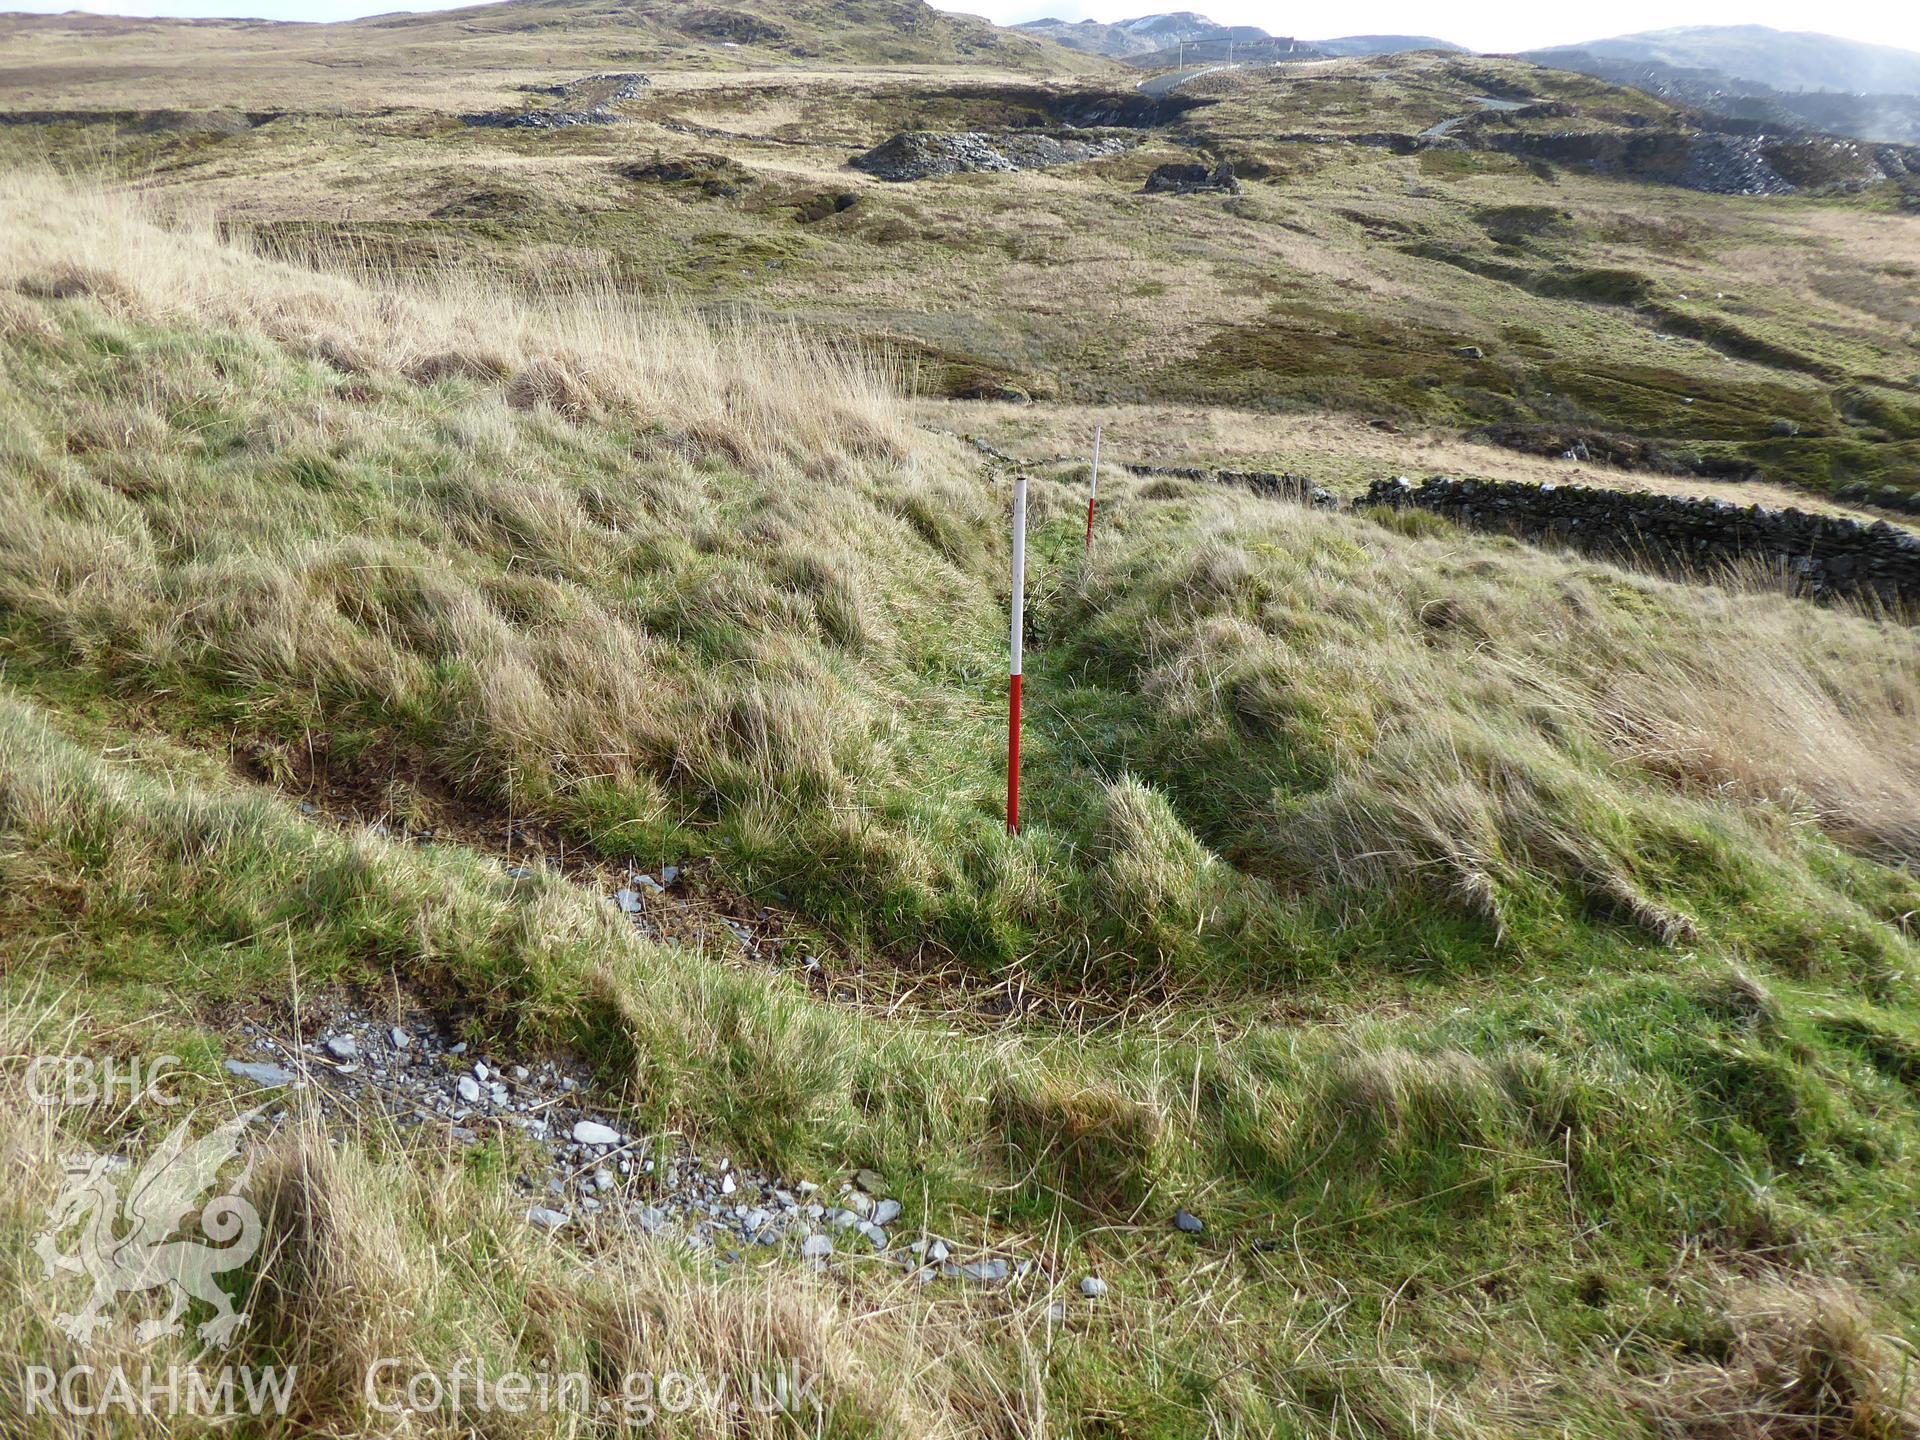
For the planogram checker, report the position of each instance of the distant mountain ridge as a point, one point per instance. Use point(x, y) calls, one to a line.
point(1384, 45)
point(1772, 77)
point(1153, 39)
point(1145, 35)
point(1785, 61)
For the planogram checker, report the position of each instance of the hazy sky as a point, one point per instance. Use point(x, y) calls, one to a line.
point(1483, 25)
point(1503, 24)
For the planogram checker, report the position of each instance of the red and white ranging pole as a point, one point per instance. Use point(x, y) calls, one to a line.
point(1019, 622)
point(1093, 486)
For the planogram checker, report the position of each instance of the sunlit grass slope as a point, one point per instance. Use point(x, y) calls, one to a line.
point(673, 589)
point(1512, 958)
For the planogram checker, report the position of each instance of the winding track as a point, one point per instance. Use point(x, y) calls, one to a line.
point(1158, 85)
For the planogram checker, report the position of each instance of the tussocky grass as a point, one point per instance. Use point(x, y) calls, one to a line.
point(678, 591)
point(1495, 948)
point(1661, 1196)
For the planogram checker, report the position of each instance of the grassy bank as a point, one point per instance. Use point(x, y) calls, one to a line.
point(1510, 958)
point(678, 593)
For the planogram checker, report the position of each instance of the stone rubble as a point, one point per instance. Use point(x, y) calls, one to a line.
point(607, 90)
point(925, 154)
point(576, 1170)
point(1192, 179)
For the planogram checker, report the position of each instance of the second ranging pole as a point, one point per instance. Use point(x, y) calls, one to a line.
point(1093, 486)
point(1013, 680)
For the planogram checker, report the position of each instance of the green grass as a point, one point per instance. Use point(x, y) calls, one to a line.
point(1534, 1165)
point(1511, 958)
point(661, 656)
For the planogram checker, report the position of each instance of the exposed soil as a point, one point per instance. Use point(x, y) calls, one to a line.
point(400, 796)
point(684, 902)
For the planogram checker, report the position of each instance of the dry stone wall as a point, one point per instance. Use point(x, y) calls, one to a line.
point(1832, 556)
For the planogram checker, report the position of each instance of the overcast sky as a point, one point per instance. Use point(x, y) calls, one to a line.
point(1482, 25)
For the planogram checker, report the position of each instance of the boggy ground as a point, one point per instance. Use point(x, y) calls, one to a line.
point(1428, 285)
point(1507, 958)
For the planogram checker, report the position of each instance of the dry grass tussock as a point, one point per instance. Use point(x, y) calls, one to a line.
point(1800, 1359)
point(761, 394)
point(610, 624)
point(1480, 713)
point(570, 604)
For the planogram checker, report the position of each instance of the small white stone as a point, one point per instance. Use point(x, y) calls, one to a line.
point(592, 1132)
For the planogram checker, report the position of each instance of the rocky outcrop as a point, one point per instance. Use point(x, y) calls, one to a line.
point(1192, 180)
point(924, 154)
point(1831, 556)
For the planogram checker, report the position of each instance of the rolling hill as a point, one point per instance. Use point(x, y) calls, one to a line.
point(253, 64)
point(504, 592)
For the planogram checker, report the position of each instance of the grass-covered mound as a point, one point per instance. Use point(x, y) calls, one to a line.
point(1510, 958)
point(684, 594)
point(1659, 1195)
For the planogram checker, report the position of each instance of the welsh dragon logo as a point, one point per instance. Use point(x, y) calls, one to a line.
point(128, 1246)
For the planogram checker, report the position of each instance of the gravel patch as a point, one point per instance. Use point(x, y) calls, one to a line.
point(578, 1171)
